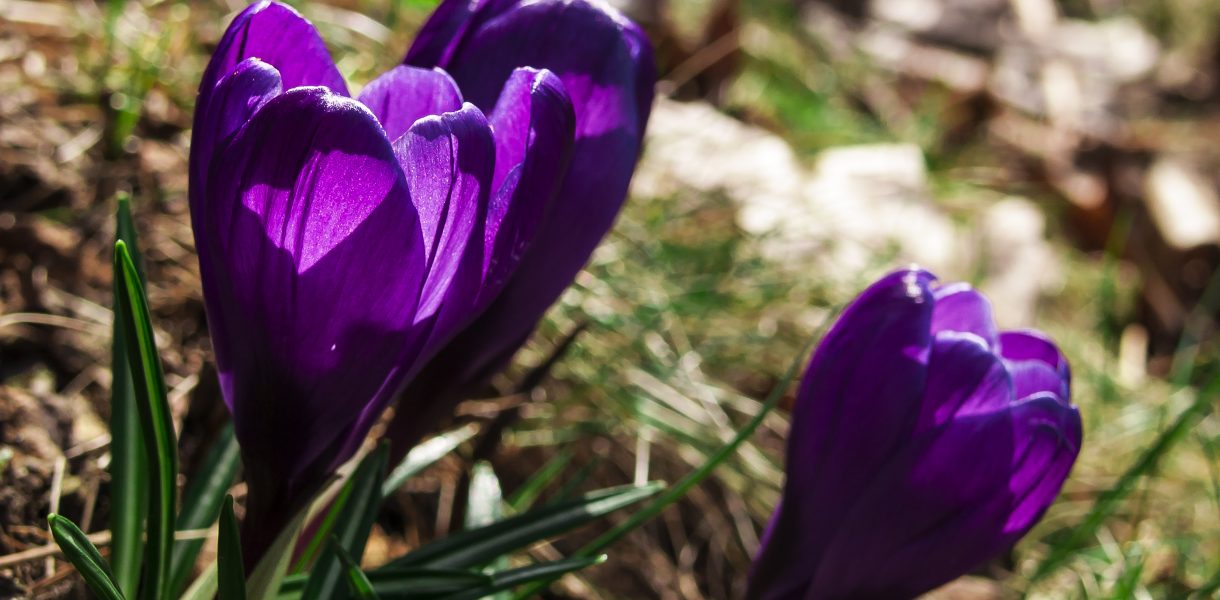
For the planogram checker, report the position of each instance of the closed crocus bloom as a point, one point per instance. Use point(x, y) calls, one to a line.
point(606, 64)
point(924, 442)
point(342, 241)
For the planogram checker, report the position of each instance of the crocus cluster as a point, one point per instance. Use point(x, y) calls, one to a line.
point(344, 241)
point(924, 442)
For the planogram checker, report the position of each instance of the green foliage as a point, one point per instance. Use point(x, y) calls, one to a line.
point(155, 423)
point(201, 502)
point(128, 465)
point(474, 547)
point(356, 511)
point(231, 573)
point(84, 556)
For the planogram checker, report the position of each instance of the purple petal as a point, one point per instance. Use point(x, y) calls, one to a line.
point(448, 163)
point(404, 95)
point(234, 101)
point(964, 378)
point(533, 122)
point(954, 499)
point(279, 36)
point(1033, 377)
point(437, 40)
point(301, 195)
point(960, 307)
point(1053, 436)
point(1033, 345)
point(858, 404)
point(606, 66)
point(236, 97)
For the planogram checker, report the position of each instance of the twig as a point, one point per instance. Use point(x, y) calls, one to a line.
point(99, 538)
point(57, 488)
point(51, 321)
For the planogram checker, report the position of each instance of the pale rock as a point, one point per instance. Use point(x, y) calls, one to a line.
point(861, 207)
point(1183, 204)
point(1018, 263)
point(692, 146)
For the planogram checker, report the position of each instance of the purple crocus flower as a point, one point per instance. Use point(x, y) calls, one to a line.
point(606, 64)
point(342, 241)
point(924, 442)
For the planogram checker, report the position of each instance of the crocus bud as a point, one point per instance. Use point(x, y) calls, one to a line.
point(924, 443)
point(343, 241)
point(606, 65)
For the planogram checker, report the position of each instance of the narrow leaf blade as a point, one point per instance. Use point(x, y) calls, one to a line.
point(479, 546)
point(201, 502)
point(425, 455)
point(678, 490)
point(357, 582)
point(155, 422)
point(230, 571)
point(128, 465)
point(351, 528)
point(264, 582)
point(84, 556)
point(506, 580)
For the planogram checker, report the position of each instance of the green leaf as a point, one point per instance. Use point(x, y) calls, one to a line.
point(424, 456)
point(201, 502)
point(506, 580)
point(205, 586)
point(576, 481)
point(231, 573)
point(84, 556)
point(448, 584)
point(680, 489)
point(1109, 501)
point(1208, 589)
point(264, 582)
point(528, 493)
point(355, 518)
point(357, 582)
point(128, 464)
point(479, 546)
point(155, 422)
point(411, 583)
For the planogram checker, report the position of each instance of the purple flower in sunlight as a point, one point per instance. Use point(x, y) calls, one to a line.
point(924, 443)
point(343, 241)
point(606, 64)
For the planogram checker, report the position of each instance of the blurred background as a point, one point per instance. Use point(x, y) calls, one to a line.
point(1061, 156)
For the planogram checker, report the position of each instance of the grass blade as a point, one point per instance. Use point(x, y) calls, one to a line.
point(201, 503)
point(408, 583)
point(425, 455)
point(680, 489)
point(1208, 589)
point(358, 583)
point(231, 574)
point(1108, 501)
point(155, 422)
point(128, 466)
point(351, 528)
point(528, 493)
point(264, 582)
point(478, 546)
point(204, 587)
point(84, 556)
point(506, 580)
